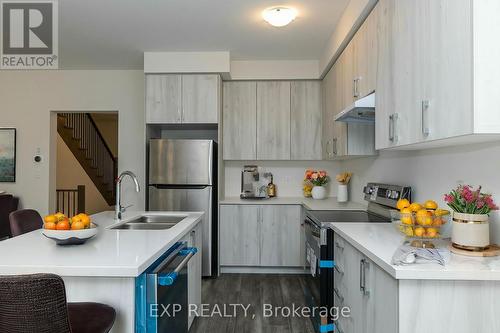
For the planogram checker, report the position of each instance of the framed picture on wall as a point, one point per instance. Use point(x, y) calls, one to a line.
point(7, 155)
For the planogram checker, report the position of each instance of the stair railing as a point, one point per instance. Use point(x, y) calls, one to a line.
point(71, 202)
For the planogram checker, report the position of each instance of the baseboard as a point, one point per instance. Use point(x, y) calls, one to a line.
point(263, 270)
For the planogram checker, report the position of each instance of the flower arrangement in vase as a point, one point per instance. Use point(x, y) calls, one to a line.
point(471, 208)
point(314, 184)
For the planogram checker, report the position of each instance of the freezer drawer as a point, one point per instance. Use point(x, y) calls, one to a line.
point(180, 162)
point(192, 199)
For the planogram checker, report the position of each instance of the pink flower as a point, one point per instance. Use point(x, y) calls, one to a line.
point(448, 198)
point(315, 175)
point(322, 173)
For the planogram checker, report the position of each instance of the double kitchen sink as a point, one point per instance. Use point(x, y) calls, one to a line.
point(151, 222)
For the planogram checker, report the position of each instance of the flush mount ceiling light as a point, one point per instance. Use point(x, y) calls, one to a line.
point(279, 16)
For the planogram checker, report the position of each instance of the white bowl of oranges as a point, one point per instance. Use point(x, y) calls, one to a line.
point(69, 231)
point(420, 223)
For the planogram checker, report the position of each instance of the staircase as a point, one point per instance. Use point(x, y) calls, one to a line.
point(84, 140)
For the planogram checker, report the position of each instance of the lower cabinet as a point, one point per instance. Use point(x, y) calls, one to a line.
point(369, 292)
point(194, 239)
point(261, 235)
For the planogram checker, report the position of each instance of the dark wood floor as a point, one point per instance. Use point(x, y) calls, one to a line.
point(253, 289)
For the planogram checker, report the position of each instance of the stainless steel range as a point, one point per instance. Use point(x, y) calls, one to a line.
point(320, 248)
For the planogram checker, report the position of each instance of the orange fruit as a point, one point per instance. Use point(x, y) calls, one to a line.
point(50, 219)
point(50, 225)
point(78, 225)
point(60, 216)
point(415, 207)
point(406, 216)
point(402, 203)
point(86, 220)
point(419, 231)
point(424, 217)
point(431, 233)
point(74, 219)
point(63, 225)
point(438, 221)
point(430, 204)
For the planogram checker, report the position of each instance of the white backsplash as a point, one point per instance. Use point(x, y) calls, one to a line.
point(431, 173)
point(288, 175)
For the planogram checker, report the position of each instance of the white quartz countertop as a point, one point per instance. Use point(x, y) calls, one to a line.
point(379, 241)
point(308, 203)
point(123, 253)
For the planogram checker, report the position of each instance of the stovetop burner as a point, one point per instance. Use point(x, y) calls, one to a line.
point(327, 216)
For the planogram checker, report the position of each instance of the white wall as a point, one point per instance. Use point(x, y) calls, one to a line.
point(432, 173)
point(288, 175)
point(26, 101)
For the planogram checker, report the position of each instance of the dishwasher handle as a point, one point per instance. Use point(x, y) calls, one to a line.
point(168, 279)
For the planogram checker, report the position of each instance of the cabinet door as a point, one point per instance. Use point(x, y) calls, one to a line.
point(348, 286)
point(194, 269)
point(273, 120)
point(200, 98)
point(347, 62)
point(281, 236)
point(399, 74)
point(306, 108)
point(239, 235)
point(163, 99)
point(381, 302)
point(328, 114)
point(445, 39)
point(239, 124)
point(365, 56)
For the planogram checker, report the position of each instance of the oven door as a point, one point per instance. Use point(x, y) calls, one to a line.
point(313, 278)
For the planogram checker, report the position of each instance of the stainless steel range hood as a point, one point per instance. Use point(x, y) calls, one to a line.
point(361, 111)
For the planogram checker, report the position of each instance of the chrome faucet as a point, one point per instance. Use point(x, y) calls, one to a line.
point(119, 209)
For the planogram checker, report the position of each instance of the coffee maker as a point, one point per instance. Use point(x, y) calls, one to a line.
point(254, 183)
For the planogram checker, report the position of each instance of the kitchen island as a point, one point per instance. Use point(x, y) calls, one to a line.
point(104, 269)
point(461, 297)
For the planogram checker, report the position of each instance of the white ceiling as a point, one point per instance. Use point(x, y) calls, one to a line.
point(113, 34)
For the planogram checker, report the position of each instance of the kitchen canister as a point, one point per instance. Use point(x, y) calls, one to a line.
point(470, 231)
point(342, 195)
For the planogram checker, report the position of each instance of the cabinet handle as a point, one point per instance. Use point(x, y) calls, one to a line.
point(425, 111)
point(334, 146)
point(362, 277)
point(391, 128)
point(338, 270)
point(341, 298)
point(356, 87)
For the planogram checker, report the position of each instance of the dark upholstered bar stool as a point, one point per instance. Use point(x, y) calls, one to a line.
point(24, 220)
point(8, 204)
point(37, 303)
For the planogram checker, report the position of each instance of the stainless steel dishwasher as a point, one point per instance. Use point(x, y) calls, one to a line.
point(162, 293)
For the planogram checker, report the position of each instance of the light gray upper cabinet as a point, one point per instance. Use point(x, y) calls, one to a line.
point(306, 109)
point(240, 235)
point(365, 44)
point(346, 61)
point(432, 91)
point(281, 236)
point(200, 98)
point(239, 120)
point(175, 99)
point(261, 235)
point(341, 140)
point(273, 120)
point(163, 99)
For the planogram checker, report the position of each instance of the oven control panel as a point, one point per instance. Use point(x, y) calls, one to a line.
point(386, 194)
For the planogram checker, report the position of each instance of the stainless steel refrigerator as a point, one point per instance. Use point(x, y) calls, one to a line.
point(183, 177)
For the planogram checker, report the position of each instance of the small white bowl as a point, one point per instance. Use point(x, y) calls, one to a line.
point(71, 237)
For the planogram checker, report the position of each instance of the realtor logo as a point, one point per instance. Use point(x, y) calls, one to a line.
point(29, 33)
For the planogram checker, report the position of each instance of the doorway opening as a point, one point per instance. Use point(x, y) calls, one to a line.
point(86, 162)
